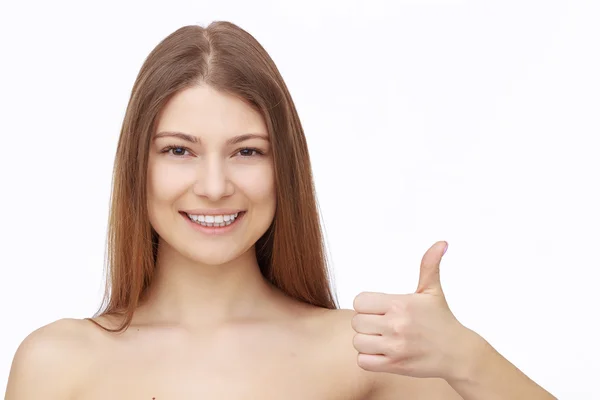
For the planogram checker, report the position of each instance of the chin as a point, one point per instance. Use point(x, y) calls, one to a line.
point(212, 254)
point(209, 246)
point(214, 258)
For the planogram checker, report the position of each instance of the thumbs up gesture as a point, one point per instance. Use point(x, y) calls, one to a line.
point(411, 334)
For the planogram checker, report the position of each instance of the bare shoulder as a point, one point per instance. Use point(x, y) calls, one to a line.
point(338, 337)
point(381, 386)
point(49, 360)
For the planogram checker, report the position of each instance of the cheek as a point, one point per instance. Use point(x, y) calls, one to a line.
point(258, 184)
point(162, 188)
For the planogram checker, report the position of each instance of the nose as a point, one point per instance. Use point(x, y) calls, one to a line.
point(212, 180)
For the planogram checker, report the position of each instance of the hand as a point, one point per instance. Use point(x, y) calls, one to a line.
point(411, 334)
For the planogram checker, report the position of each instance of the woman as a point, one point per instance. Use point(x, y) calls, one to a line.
point(218, 286)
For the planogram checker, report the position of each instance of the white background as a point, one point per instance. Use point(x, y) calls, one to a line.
point(471, 122)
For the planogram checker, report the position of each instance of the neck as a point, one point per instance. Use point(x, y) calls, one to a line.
point(184, 292)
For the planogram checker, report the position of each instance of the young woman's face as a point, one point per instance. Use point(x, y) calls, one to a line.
point(211, 189)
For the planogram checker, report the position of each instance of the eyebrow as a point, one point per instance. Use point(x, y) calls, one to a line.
point(195, 139)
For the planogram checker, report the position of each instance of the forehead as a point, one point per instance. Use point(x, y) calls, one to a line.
point(204, 111)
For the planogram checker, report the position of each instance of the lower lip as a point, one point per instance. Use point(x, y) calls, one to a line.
point(214, 230)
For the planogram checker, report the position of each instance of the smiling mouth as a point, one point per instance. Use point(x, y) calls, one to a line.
point(215, 221)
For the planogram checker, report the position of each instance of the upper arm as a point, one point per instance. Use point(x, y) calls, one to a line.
point(44, 364)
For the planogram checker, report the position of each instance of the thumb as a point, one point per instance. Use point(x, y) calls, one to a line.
point(429, 277)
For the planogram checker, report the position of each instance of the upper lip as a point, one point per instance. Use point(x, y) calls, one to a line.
point(213, 211)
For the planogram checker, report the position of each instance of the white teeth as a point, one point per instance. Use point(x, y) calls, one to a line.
point(214, 220)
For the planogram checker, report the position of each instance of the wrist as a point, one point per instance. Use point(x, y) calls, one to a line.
point(472, 351)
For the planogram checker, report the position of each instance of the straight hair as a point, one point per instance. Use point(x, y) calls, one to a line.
point(291, 254)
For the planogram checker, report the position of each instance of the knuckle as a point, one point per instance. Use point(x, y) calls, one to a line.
point(363, 362)
point(358, 300)
point(354, 322)
point(356, 340)
point(398, 348)
point(399, 307)
point(397, 326)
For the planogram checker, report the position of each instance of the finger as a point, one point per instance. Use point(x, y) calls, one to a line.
point(369, 324)
point(374, 362)
point(371, 303)
point(369, 344)
point(429, 276)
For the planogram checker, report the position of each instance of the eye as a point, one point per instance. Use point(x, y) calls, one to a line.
point(249, 152)
point(177, 151)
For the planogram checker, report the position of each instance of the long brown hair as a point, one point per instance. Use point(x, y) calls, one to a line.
point(291, 254)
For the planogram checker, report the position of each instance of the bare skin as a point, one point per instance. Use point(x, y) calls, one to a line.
point(290, 357)
point(304, 352)
point(211, 327)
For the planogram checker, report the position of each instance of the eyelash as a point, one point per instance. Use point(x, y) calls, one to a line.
point(173, 147)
